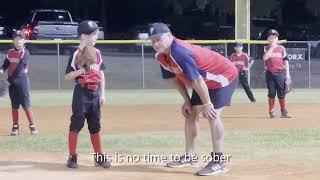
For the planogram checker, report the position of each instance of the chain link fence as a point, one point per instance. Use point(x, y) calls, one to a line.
point(133, 66)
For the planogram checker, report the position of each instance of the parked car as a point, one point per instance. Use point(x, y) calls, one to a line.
point(52, 24)
point(5, 29)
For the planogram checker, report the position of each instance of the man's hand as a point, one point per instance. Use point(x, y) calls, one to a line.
point(288, 77)
point(288, 84)
point(186, 109)
point(1, 71)
point(10, 79)
point(102, 101)
point(82, 70)
point(274, 43)
point(209, 112)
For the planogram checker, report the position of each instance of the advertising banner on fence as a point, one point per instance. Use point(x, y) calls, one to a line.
point(298, 62)
point(297, 58)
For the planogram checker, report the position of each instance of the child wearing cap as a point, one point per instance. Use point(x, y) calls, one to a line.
point(277, 73)
point(88, 95)
point(242, 61)
point(17, 65)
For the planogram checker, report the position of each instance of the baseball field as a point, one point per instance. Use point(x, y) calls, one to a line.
point(142, 129)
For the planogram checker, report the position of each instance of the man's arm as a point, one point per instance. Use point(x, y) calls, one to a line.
point(250, 61)
point(187, 63)
point(74, 74)
point(181, 88)
point(202, 90)
point(268, 53)
point(71, 73)
point(198, 85)
point(287, 68)
point(5, 65)
point(186, 109)
point(286, 64)
point(102, 88)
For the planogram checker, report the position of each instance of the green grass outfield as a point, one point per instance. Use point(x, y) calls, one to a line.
point(287, 145)
point(294, 146)
point(141, 97)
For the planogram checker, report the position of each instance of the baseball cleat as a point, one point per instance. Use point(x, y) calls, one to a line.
point(101, 162)
point(33, 129)
point(72, 162)
point(183, 161)
point(285, 114)
point(15, 130)
point(272, 113)
point(213, 168)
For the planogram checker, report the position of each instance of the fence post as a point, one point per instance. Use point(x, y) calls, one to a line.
point(226, 50)
point(142, 59)
point(309, 64)
point(58, 66)
point(249, 69)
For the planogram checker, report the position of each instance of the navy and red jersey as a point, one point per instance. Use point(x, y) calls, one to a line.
point(240, 60)
point(187, 62)
point(16, 62)
point(93, 75)
point(276, 61)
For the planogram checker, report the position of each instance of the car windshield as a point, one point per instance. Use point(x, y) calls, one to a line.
point(52, 16)
point(2, 22)
point(263, 22)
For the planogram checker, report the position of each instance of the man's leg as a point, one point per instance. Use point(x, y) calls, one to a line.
point(244, 82)
point(94, 126)
point(26, 104)
point(15, 104)
point(217, 132)
point(76, 124)
point(220, 98)
point(271, 93)
point(217, 164)
point(191, 131)
point(280, 87)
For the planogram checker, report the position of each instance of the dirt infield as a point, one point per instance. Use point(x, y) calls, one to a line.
point(147, 118)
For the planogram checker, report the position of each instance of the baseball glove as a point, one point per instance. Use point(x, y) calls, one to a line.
point(3, 86)
point(87, 57)
point(288, 86)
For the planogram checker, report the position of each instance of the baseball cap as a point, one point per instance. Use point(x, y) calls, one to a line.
point(273, 32)
point(87, 27)
point(157, 29)
point(238, 44)
point(19, 34)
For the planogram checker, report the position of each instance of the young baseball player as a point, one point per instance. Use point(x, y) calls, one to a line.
point(277, 72)
point(17, 65)
point(88, 95)
point(213, 79)
point(242, 62)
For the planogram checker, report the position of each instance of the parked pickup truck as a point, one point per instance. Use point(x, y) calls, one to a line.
point(51, 24)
